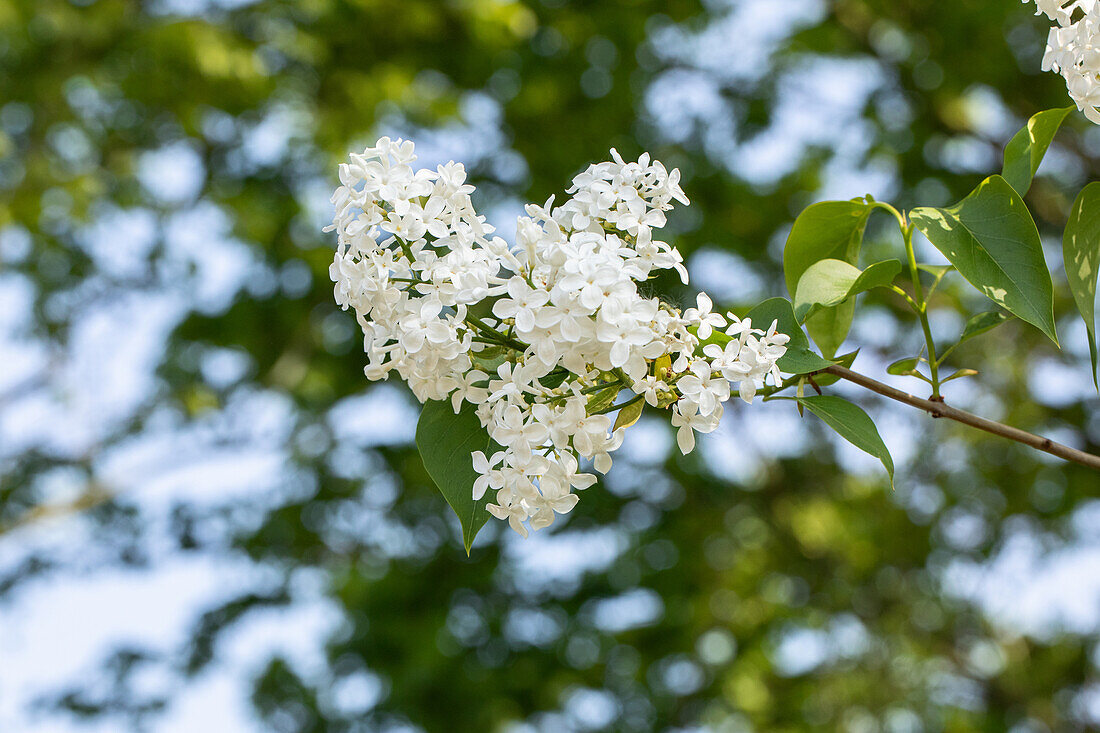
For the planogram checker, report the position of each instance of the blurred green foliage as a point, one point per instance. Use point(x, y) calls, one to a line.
point(88, 88)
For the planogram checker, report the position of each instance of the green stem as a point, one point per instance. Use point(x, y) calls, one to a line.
point(612, 408)
point(495, 335)
point(623, 378)
point(921, 308)
point(599, 387)
point(945, 354)
point(768, 390)
point(893, 212)
point(905, 295)
point(593, 389)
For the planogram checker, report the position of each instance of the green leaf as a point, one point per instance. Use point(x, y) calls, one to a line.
point(1026, 149)
point(991, 239)
point(487, 360)
point(826, 230)
point(798, 359)
point(629, 414)
point(824, 380)
point(801, 361)
point(981, 323)
point(976, 326)
point(937, 271)
point(830, 282)
point(599, 402)
point(716, 337)
point(778, 310)
point(446, 441)
point(663, 365)
point(852, 424)
point(904, 367)
point(829, 327)
point(960, 374)
point(1081, 254)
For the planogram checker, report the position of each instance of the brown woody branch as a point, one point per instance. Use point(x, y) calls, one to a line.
point(939, 409)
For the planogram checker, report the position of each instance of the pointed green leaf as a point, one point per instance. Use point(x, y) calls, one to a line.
point(446, 441)
point(802, 361)
point(826, 230)
point(852, 424)
point(981, 323)
point(599, 402)
point(830, 282)
point(976, 326)
point(960, 374)
point(937, 271)
point(903, 367)
point(778, 310)
point(798, 359)
point(991, 239)
point(1081, 254)
point(629, 414)
point(1026, 149)
point(830, 326)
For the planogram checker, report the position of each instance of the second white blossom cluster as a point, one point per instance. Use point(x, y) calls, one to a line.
point(543, 339)
point(1073, 50)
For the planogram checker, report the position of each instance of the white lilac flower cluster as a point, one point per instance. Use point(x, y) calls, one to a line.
point(541, 338)
point(1073, 50)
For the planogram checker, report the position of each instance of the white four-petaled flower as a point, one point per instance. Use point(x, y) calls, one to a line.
point(1073, 50)
point(569, 329)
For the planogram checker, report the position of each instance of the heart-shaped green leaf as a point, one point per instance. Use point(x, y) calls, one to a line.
point(1026, 149)
point(1081, 254)
point(992, 241)
point(852, 424)
point(826, 230)
point(830, 282)
point(446, 441)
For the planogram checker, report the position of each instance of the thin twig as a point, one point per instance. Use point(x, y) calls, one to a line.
point(621, 405)
point(939, 409)
point(92, 497)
